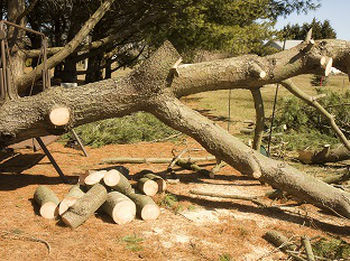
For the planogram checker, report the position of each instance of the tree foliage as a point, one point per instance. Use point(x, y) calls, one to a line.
point(236, 26)
point(320, 30)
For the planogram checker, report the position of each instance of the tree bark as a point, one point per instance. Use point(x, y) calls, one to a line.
point(85, 206)
point(260, 118)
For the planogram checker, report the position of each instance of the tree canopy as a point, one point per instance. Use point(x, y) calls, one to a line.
point(320, 30)
point(235, 26)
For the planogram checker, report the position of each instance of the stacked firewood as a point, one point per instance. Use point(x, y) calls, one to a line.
point(109, 191)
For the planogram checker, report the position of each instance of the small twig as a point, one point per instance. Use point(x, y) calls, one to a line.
point(17, 236)
point(308, 248)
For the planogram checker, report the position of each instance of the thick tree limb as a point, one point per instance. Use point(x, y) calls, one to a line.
point(236, 72)
point(290, 86)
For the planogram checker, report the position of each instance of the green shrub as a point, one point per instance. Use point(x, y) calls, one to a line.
point(306, 126)
point(316, 80)
point(129, 129)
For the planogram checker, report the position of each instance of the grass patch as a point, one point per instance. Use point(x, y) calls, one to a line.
point(129, 129)
point(169, 201)
point(225, 257)
point(133, 242)
point(306, 127)
point(332, 249)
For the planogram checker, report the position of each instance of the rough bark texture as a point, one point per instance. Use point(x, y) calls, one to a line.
point(260, 118)
point(153, 87)
point(85, 206)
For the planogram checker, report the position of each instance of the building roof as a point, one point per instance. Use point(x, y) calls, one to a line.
point(289, 44)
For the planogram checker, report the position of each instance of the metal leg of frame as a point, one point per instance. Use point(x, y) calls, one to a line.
point(52, 160)
point(80, 143)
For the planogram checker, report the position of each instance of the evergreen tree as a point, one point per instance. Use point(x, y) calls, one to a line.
point(320, 30)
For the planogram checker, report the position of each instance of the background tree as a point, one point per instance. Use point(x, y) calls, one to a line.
point(320, 30)
point(123, 32)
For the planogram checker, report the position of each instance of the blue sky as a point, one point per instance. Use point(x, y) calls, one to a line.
point(336, 11)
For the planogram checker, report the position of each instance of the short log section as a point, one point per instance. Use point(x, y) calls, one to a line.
point(74, 193)
point(146, 208)
point(85, 206)
point(119, 207)
point(48, 202)
point(95, 177)
point(123, 185)
point(160, 181)
point(147, 186)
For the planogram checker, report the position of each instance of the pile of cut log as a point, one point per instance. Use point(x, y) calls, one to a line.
point(106, 191)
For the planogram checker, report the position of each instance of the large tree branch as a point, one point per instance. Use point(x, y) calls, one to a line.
point(26, 79)
point(249, 71)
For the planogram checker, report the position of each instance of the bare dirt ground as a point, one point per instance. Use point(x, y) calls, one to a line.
point(200, 228)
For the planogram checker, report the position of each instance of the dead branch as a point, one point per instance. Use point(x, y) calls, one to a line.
point(20, 236)
point(260, 118)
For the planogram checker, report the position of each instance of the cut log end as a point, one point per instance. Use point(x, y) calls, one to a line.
point(150, 212)
point(95, 177)
point(49, 210)
point(124, 212)
point(66, 204)
point(262, 75)
point(59, 116)
point(148, 186)
point(112, 178)
point(328, 63)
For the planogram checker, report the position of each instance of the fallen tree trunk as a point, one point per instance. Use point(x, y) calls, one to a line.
point(120, 208)
point(154, 88)
point(85, 206)
point(47, 200)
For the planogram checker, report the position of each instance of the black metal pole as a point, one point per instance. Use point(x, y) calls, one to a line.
point(80, 143)
point(52, 160)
